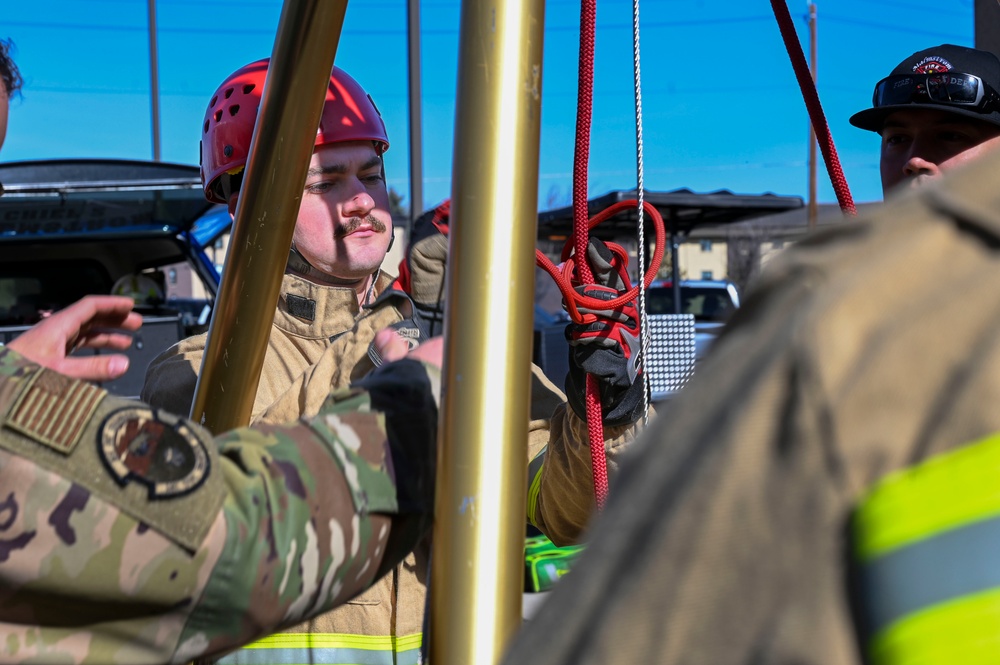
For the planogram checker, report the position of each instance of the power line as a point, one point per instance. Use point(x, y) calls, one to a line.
point(196, 3)
point(129, 28)
point(908, 28)
point(667, 24)
point(936, 9)
point(548, 94)
point(432, 31)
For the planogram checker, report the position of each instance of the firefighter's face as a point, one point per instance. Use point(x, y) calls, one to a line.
point(921, 144)
point(344, 225)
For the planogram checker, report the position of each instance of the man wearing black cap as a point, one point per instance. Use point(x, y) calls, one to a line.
point(939, 108)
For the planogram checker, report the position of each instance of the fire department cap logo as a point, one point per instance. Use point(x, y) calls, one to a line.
point(932, 64)
point(154, 448)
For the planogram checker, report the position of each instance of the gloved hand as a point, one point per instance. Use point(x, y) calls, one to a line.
point(404, 393)
point(607, 345)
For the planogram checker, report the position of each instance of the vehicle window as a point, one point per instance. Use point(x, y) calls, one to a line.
point(706, 304)
point(712, 307)
point(27, 290)
point(660, 301)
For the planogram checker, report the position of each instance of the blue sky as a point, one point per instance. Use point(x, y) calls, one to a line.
point(722, 109)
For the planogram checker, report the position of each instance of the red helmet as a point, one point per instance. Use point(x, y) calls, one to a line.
point(349, 114)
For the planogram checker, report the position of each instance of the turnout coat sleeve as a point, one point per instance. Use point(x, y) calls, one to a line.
point(859, 353)
point(130, 535)
point(560, 474)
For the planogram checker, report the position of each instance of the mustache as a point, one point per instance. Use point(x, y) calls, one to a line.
point(355, 223)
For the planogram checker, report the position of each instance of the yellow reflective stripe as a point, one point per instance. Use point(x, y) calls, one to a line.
point(966, 631)
point(338, 641)
point(945, 492)
point(533, 489)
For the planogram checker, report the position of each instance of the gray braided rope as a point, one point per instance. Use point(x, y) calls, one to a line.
point(640, 192)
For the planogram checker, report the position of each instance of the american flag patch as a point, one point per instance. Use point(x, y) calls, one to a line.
point(55, 409)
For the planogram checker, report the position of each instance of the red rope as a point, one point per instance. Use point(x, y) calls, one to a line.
point(581, 155)
point(816, 115)
point(595, 429)
point(563, 278)
point(564, 281)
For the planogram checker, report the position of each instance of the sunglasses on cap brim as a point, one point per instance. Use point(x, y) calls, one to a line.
point(947, 88)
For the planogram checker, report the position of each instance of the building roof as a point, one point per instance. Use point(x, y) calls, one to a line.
point(786, 225)
point(681, 209)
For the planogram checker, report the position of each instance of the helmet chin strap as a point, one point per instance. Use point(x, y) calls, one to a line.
point(298, 265)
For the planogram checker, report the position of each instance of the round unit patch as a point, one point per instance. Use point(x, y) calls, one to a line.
point(154, 448)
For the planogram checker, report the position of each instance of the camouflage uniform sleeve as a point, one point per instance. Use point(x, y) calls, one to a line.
point(129, 535)
point(560, 475)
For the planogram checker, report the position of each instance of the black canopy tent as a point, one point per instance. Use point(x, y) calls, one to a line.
point(682, 210)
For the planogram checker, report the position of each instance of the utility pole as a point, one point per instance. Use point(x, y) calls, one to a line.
point(154, 83)
point(987, 26)
point(813, 206)
point(416, 150)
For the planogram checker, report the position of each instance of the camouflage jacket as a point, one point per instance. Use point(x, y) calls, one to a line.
point(130, 535)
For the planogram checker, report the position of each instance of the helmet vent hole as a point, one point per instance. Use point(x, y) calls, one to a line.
point(229, 92)
point(228, 150)
point(206, 126)
point(248, 88)
point(212, 103)
point(234, 109)
point(218, 115)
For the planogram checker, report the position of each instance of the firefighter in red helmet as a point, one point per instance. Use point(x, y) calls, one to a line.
point(334, 299)
point(344, 227)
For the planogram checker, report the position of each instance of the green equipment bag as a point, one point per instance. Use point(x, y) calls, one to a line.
point(544, 563)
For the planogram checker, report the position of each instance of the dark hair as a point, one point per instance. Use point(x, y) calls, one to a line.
point(9, 73)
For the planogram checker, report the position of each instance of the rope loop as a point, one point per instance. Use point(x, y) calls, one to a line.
point(564, 276)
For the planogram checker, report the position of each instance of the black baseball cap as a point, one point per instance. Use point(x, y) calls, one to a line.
point(939, 59)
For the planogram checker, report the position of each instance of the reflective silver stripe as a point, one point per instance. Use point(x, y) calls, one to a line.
point(949, 565)
point(325, 655)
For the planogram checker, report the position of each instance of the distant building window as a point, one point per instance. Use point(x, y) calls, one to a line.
point(173, 275)
point(706, 274)
point(706, 245)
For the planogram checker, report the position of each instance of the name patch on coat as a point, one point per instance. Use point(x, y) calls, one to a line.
point(54, 410)
point(304, 308)
point(154, 448)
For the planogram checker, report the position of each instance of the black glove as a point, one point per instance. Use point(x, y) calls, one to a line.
point(606, 344)
point(403, 392)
